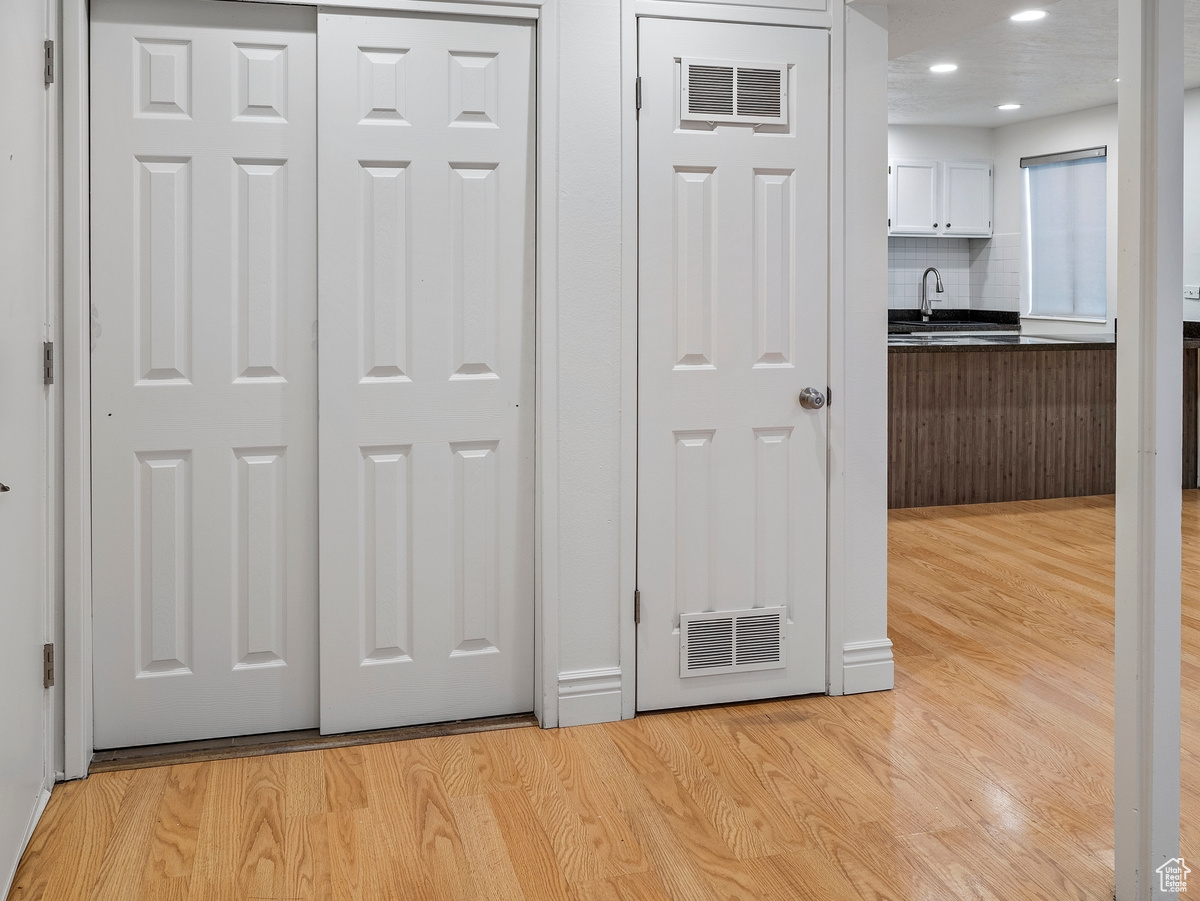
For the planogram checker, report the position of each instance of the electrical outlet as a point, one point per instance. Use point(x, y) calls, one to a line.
point(1191, 292)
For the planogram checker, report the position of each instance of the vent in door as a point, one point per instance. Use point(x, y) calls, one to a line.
point(731, 641)
point(714, 91)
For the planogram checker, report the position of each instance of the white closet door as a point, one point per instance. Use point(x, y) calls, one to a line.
point(426, 376)
point(733, 299)
point(203, 369)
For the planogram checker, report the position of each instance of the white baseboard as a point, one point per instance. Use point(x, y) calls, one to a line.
point(868, 666)
point(589, 696)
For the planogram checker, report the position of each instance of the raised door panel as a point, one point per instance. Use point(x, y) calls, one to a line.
point(203, 370)
point(733, 308)
point(426, 383)
point(914, 198)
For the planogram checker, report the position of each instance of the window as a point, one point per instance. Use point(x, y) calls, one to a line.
point(1066, 234)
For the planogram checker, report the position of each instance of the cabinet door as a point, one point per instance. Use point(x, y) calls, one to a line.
point(967, 198)
point(914, 198)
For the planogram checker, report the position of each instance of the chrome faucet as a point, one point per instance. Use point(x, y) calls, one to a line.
point(926, 305)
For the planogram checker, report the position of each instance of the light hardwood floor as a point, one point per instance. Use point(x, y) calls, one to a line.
point(987, 773)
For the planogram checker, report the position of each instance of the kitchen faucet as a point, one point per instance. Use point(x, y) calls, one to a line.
point(926, 306)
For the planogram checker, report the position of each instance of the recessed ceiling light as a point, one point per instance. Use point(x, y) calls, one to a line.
point(1030, 15)
point(941, 68)
point(1008, 106)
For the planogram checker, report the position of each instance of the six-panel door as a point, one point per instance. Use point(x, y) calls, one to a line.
point(204, 433)
point(733, 295)
point(426, 381)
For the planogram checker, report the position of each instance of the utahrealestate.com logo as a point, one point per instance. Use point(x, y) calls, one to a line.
point(1172, 875)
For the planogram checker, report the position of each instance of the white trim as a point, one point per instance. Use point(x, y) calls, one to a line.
point(590, 696)
point(76, 388)
point(704, 11)
point(868, 666)
point(1088, 319)
point(546, 601)
point(493, 9)
point(1147, 597)
point(52, 706)
point(505, 9)
point(836, 552)
point(628, 467)
point(77, 651)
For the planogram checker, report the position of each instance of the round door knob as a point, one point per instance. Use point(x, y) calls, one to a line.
point(4, 488)
point(812, 399)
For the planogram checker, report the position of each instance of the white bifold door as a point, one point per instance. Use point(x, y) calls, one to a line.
point(204, 380)
point(733, 296)
point(213, 436)
point(427, 316)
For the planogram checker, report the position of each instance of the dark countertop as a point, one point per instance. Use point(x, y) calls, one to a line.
point(935, 343)
point(905, 322)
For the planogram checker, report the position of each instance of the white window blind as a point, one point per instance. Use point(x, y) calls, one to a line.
point(1066, 234)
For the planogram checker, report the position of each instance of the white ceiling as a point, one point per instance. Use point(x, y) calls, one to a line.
point(1063, 63)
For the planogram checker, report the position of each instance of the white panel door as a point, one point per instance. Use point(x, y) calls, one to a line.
point(426, 376)
point(732, 324)
point(913, 203)
point(23, 565)
point(203, 369)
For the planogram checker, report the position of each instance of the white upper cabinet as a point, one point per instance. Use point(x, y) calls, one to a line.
point(967, 198)
point(940, 198)
point(913, 197)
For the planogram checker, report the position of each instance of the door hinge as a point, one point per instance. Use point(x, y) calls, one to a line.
point(637, 607)
point(48, 362)
point(47, 665)
point(48, 48)
point(889, 170)
point(637, 93)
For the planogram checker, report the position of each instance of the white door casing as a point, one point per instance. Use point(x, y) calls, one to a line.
point(203, 369)
point(23, 414)
point(733, 313)
point(427, 369)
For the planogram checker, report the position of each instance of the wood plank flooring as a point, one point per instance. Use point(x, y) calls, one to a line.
point(986, 774)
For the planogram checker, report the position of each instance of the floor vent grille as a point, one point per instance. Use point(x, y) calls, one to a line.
point(731, 641)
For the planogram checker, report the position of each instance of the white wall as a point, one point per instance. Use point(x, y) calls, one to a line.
point(858, 409)
point(939, 142)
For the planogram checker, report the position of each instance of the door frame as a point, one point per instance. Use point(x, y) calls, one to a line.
point(821, 14)
point(76, 343)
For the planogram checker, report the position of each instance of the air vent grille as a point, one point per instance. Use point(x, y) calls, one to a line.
point(731, 641)
point(710, 91)
point(759, 92)
point(715, 91)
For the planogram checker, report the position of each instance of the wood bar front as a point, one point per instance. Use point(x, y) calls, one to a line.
point(967, 426)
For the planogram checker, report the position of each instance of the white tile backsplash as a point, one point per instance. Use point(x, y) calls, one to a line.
point(996, 273)
point(977, 273)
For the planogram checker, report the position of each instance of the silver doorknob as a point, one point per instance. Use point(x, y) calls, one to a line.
point(812, 399)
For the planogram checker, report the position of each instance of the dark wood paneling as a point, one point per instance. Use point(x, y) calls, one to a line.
point(968, 428)
point(1190, 412)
